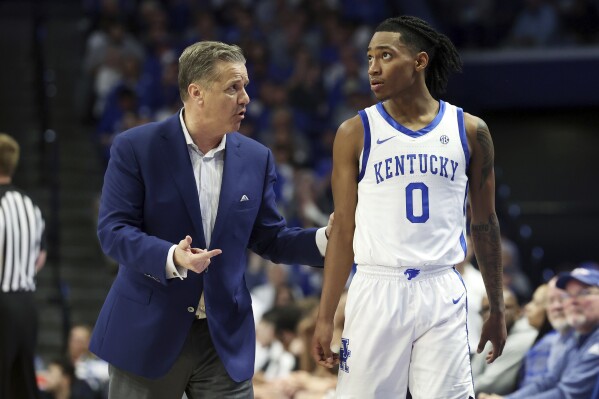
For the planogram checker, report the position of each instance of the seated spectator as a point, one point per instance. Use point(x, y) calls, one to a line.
point(514, 278)
point(114, 119)
point(535, 361)
point(306, 199)
point(105, 50)
point(282, 131)
point(61, 382)
point(272, 359)
point(543, 358)
point(265, 296)
point(88, 367)
point(580, 360)
point(557, 318)
point(310, 381)
point(501, 375)
point(317, 382)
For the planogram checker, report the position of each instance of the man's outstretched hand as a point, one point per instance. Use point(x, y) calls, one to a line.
point(194, 259)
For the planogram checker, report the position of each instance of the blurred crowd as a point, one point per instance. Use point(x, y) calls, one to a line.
point(553, 339)
point(484, 24)
point(307, 68)
point(306, 62)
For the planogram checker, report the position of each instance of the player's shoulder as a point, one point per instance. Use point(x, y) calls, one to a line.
point(352, 128)
point(350, 135)
point(474, 124)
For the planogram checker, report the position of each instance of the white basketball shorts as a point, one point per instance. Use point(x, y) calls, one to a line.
point(405, 327)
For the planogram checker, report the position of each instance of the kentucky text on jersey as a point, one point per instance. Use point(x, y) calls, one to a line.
point(425, 163)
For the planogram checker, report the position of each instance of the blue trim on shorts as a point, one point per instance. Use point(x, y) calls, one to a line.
point(467, 333)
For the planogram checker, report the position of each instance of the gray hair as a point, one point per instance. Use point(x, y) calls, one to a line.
point(198, 63)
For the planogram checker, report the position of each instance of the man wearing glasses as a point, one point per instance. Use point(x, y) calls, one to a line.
point(581, 306)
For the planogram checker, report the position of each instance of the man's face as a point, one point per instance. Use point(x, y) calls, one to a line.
point(581, 306)
point(265, 333)
point(78, 342)
point(54, 378)
point(225, 101)
point(512, 309)
point(391, 65)
point(555, 307)
point(535, 309)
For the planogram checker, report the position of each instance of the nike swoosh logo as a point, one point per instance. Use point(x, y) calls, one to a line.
point(379, 141)
point(457, 300)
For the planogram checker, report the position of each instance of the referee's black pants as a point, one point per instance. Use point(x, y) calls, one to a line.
point(18, 338)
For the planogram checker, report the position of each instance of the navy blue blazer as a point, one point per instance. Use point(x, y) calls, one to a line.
point(150, 202)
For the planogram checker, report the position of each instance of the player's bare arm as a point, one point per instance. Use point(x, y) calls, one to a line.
point(339, 256)
point(485, 231)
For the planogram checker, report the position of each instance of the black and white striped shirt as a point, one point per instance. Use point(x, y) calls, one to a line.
point(21, 239)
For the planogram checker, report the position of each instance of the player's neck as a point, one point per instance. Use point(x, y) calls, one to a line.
point(412, 110)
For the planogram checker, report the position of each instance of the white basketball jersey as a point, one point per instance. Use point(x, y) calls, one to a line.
point(412, 190)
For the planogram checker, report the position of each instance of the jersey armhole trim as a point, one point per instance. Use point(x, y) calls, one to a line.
point(366, 150)
point(463, 244)
point(463, 137)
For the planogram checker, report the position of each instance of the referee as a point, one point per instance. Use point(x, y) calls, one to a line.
point(22, 255)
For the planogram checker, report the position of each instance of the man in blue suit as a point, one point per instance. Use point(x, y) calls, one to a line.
point(176, 194)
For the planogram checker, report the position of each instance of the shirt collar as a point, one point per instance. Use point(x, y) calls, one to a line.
point(582, 338)
point(189, 141)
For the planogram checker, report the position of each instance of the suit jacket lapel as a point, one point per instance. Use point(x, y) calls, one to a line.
point(177, 158)
point(231, 171)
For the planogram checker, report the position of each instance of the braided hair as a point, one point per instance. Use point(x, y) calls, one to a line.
point(420, 36)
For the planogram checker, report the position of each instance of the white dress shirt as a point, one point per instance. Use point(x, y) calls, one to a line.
point(208, 173)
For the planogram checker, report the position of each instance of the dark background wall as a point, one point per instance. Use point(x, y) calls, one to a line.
point(542, 108)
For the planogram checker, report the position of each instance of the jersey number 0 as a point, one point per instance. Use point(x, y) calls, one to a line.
point(413, 191)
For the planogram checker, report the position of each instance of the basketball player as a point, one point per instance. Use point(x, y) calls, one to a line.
point(402, 171)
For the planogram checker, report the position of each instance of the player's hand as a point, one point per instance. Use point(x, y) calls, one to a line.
point(194, 259)
point(494, 330)
point(321, 344)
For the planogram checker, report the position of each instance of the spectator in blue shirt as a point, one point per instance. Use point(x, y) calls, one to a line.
point(549, 347)
point(534, 366)
point(580, 363)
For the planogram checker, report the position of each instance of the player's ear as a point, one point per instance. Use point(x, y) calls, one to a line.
point(421, 61)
